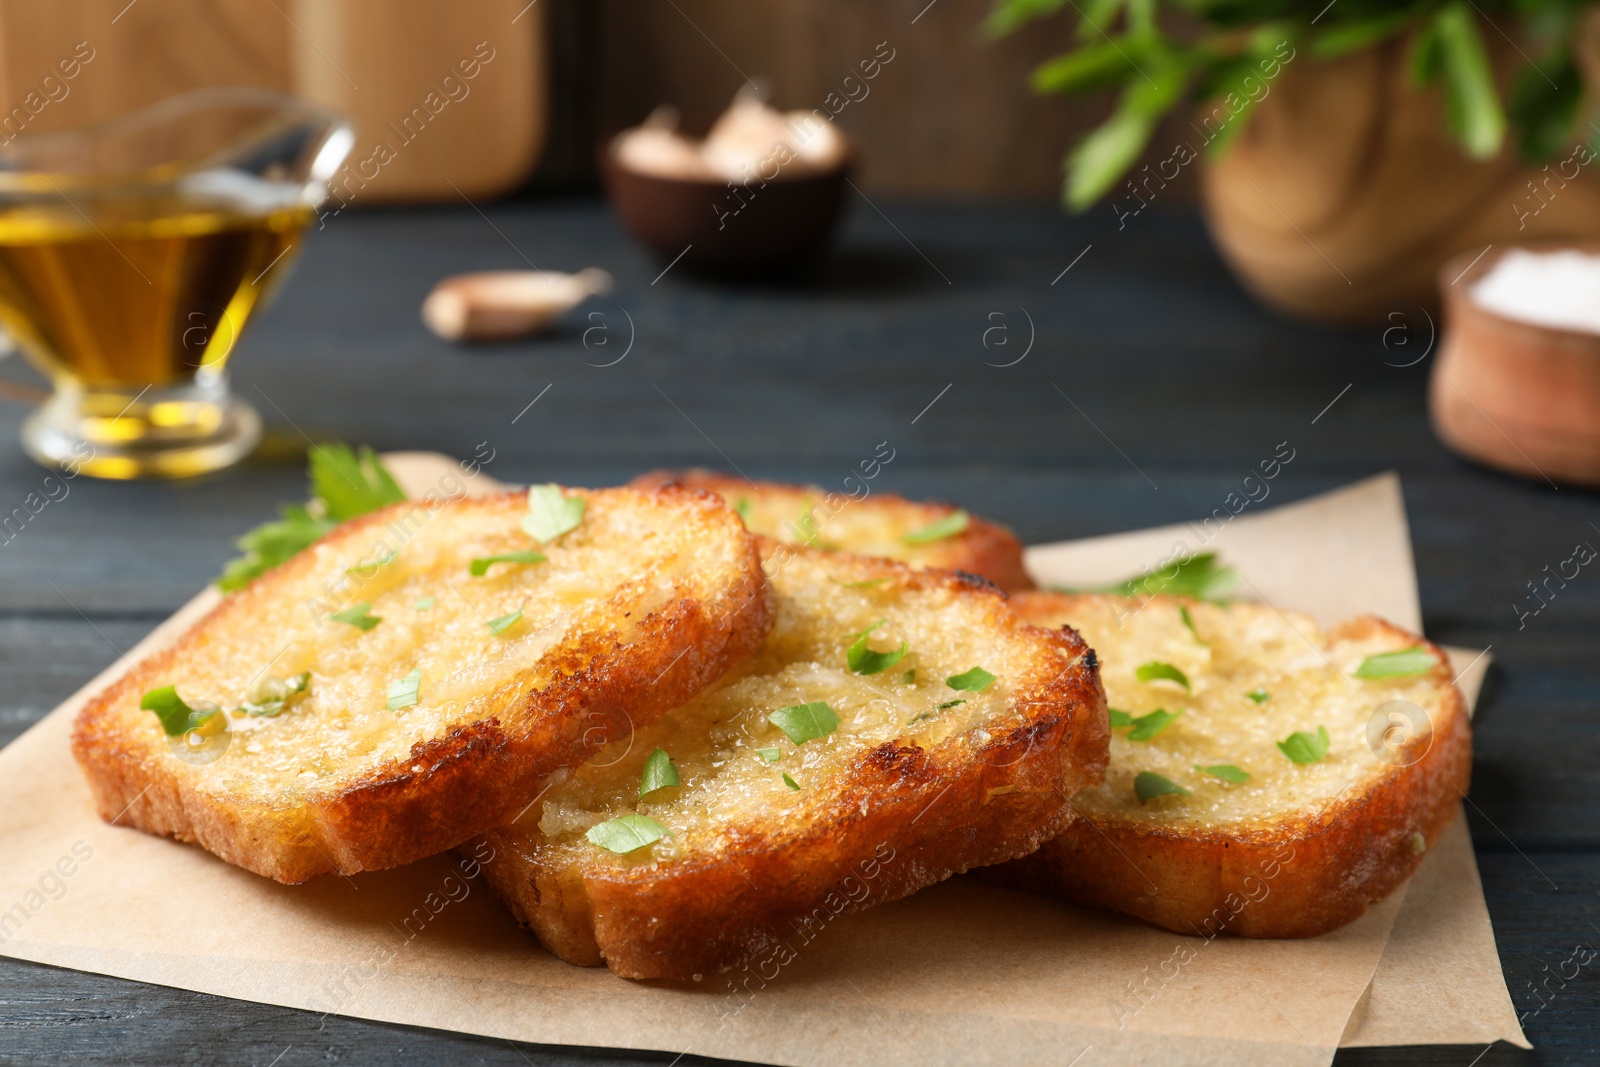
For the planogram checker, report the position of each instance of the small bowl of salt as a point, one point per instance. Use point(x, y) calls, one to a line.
point(1517, 382)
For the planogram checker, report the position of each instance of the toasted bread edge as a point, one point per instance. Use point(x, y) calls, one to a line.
point(1312, 876)
point(451, 787)
point(908, 819)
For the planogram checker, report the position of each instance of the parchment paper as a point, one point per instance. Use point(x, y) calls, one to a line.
point(961, 973)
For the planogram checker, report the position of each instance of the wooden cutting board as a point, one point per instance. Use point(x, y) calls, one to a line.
point(385, 63)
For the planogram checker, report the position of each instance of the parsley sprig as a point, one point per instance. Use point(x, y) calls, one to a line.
point(345, 483)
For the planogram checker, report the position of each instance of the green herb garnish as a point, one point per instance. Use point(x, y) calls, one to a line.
point(268, 709)
point(868, 584)
point(480, 566)
point(1183, 613)
point(344, 484)
point(551, 513)
point(806, 722)
point(1196, 576)
point(424, 603)
point(910, 677)
point(863, 660)
point(1259, 695)
point(1406, 663)
point(790, 782)
point(1302, 747)
point(742, 509)
point(659, 773)
point(177, 718)
point(1119, 719)
point(504, 622)
point(358, 615)
point(806, 528)
point(974, 681)
point(272, 543)
point(950, 704)
point(770, 755)
point(1145, 727)
point(1226, 771)
point(949, 526)
point(403, 694)
point(627, 833)
point(1149, 785)
point(1156, 670)
point(351, 483)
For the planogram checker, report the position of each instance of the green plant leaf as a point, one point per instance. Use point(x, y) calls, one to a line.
point(1008, 15)
point(403, 694)
point(770, 755)
point(1147, 727)
point(863, 660)
point(806, 722)
point(1472, 106)
point(659, 773)
point(505, 622)
point(343, 484)
point(1543, 104)
point(975, 680)
point(1259, 695)
point(1302, 747)
point(551, 513)
point(177, 717)
point(1148, 785)
point(1198, 576)
point(358, 615)
point(480, 566)
point(272, 543)
point(350, 483)
point(1405, 663)
point(1226, 771)
point(1342, 38)
point(1102, 157)
point(627, 833)
point(1119, 719)
point(1155, 671)
point(790, 782)
point(949, 526)
point(1094, 66)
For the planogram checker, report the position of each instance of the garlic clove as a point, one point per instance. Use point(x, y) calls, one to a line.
point(497, 305)
point(664, 153)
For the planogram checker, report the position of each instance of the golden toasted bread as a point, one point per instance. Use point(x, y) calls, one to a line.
point(381, 700)
point(877, 524)
point(807, 788)
point(1280, 835)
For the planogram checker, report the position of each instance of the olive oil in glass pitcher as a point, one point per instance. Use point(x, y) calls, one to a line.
point(132, 256)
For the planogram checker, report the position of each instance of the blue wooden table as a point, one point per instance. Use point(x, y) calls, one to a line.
point(1060, 375)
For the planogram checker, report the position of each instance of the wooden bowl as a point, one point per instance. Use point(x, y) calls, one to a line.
point(1514, 395)
point(727, 228)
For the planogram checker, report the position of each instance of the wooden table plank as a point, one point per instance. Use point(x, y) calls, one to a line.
point(1158, 350)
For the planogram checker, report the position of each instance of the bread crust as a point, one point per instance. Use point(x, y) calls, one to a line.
point(449, 787)
point(908, 818)
point(984, 548)
point(1304, 877)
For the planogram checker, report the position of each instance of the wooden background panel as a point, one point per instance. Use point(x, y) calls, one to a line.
point(952, 113)
point(374, 60)
point(142, 52)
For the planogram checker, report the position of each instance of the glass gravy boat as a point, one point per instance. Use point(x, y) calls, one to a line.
point(134, 252)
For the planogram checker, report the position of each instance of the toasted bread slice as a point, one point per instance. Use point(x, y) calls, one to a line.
point(877, 524)
point(771, 839)
point(1298, 849)
point(652, 596)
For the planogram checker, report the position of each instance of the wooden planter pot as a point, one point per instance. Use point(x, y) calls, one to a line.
point(1345, 192)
